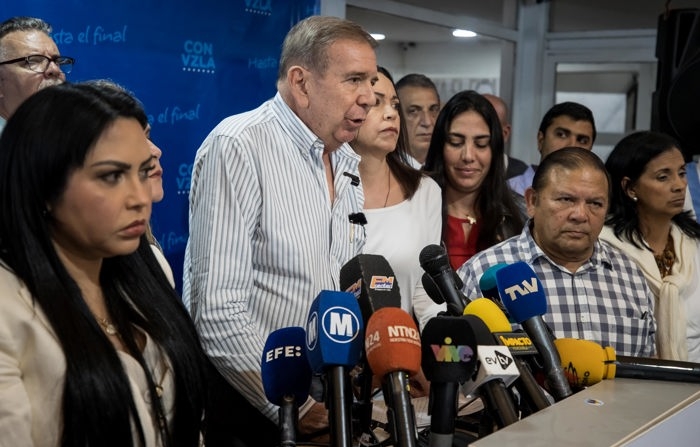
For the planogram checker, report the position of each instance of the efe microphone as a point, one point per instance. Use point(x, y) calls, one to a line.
point(393, 350)
point(334, 343)
point(286, 377)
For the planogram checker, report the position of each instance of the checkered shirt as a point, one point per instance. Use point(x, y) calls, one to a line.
point(606, 301)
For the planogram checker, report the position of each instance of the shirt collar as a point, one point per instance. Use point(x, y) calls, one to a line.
point(602, 255)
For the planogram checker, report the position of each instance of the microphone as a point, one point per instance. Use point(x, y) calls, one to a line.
point(433, 258)
point(286, 377)
point(334, 343)
point(587, 363)
point(521, 292)
point(448, 359)
point(519, 345)
point(371, 280)
point(487, 282)
point(393, 349)
point(496, 371)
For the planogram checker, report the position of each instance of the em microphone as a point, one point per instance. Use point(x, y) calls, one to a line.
point(286, 377)
point(393, 349)
point(370, 278)
point(586, 363)
point(333, 344)
point(519, 345)
point(433, 258)
point(522, 294)
point(448, 358)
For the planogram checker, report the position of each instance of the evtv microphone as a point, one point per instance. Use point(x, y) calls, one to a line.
point(393, 349)
point(522, 294)
point(587, 363)
point(286, 377)
point(433, 258)
point(496, 371)
point(334, 343)
point(448, 358)
point(520, 347)
point(370, 278)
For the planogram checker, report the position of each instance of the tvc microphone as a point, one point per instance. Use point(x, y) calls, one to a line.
point(334, 344)
point(587, 363)
point(371, 280)
point(433, 258)
point(521, 292)
point(286, 377)
point(495, 372)
point(393, 349)
point(533, 398)
point(448, 359)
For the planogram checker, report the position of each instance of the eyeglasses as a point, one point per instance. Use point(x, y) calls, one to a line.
point(40, 63)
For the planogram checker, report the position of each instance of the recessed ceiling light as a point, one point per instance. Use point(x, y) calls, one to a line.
point(378, 36)
point(463, 33)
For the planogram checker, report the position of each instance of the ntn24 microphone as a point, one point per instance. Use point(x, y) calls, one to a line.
point(392, 342)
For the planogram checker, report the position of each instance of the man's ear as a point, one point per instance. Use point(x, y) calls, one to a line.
point(298, 80)
point(540, 139)
point(530, 201)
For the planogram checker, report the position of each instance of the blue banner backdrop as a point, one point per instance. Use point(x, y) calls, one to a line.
point(190, 63)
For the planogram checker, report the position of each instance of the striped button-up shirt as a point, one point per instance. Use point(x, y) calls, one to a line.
point(606, 300)
point(265, 238)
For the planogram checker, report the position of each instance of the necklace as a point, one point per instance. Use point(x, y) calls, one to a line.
point(471, 220)
point(667, 258)
point(108, 327)
point(388, 190)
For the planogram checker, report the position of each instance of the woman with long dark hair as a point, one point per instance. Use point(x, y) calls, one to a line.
point(96, 347)
point(402, 204)
point(466, 159)
point(647, 221)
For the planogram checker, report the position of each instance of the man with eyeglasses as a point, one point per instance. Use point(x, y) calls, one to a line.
point(29, 61)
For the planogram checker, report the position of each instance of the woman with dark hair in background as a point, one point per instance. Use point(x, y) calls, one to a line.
point(647, 221)
point(466, 159)
point(402, 205)
point(95, 345)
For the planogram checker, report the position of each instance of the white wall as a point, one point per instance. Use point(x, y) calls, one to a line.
point(453, 67)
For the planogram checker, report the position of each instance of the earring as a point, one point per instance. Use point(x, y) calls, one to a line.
point(634, 198)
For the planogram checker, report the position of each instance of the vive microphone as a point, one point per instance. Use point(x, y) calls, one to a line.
point(448, 358)
point(522, 294)
point(334, 339)
point(286, 377)
point(393, 350)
